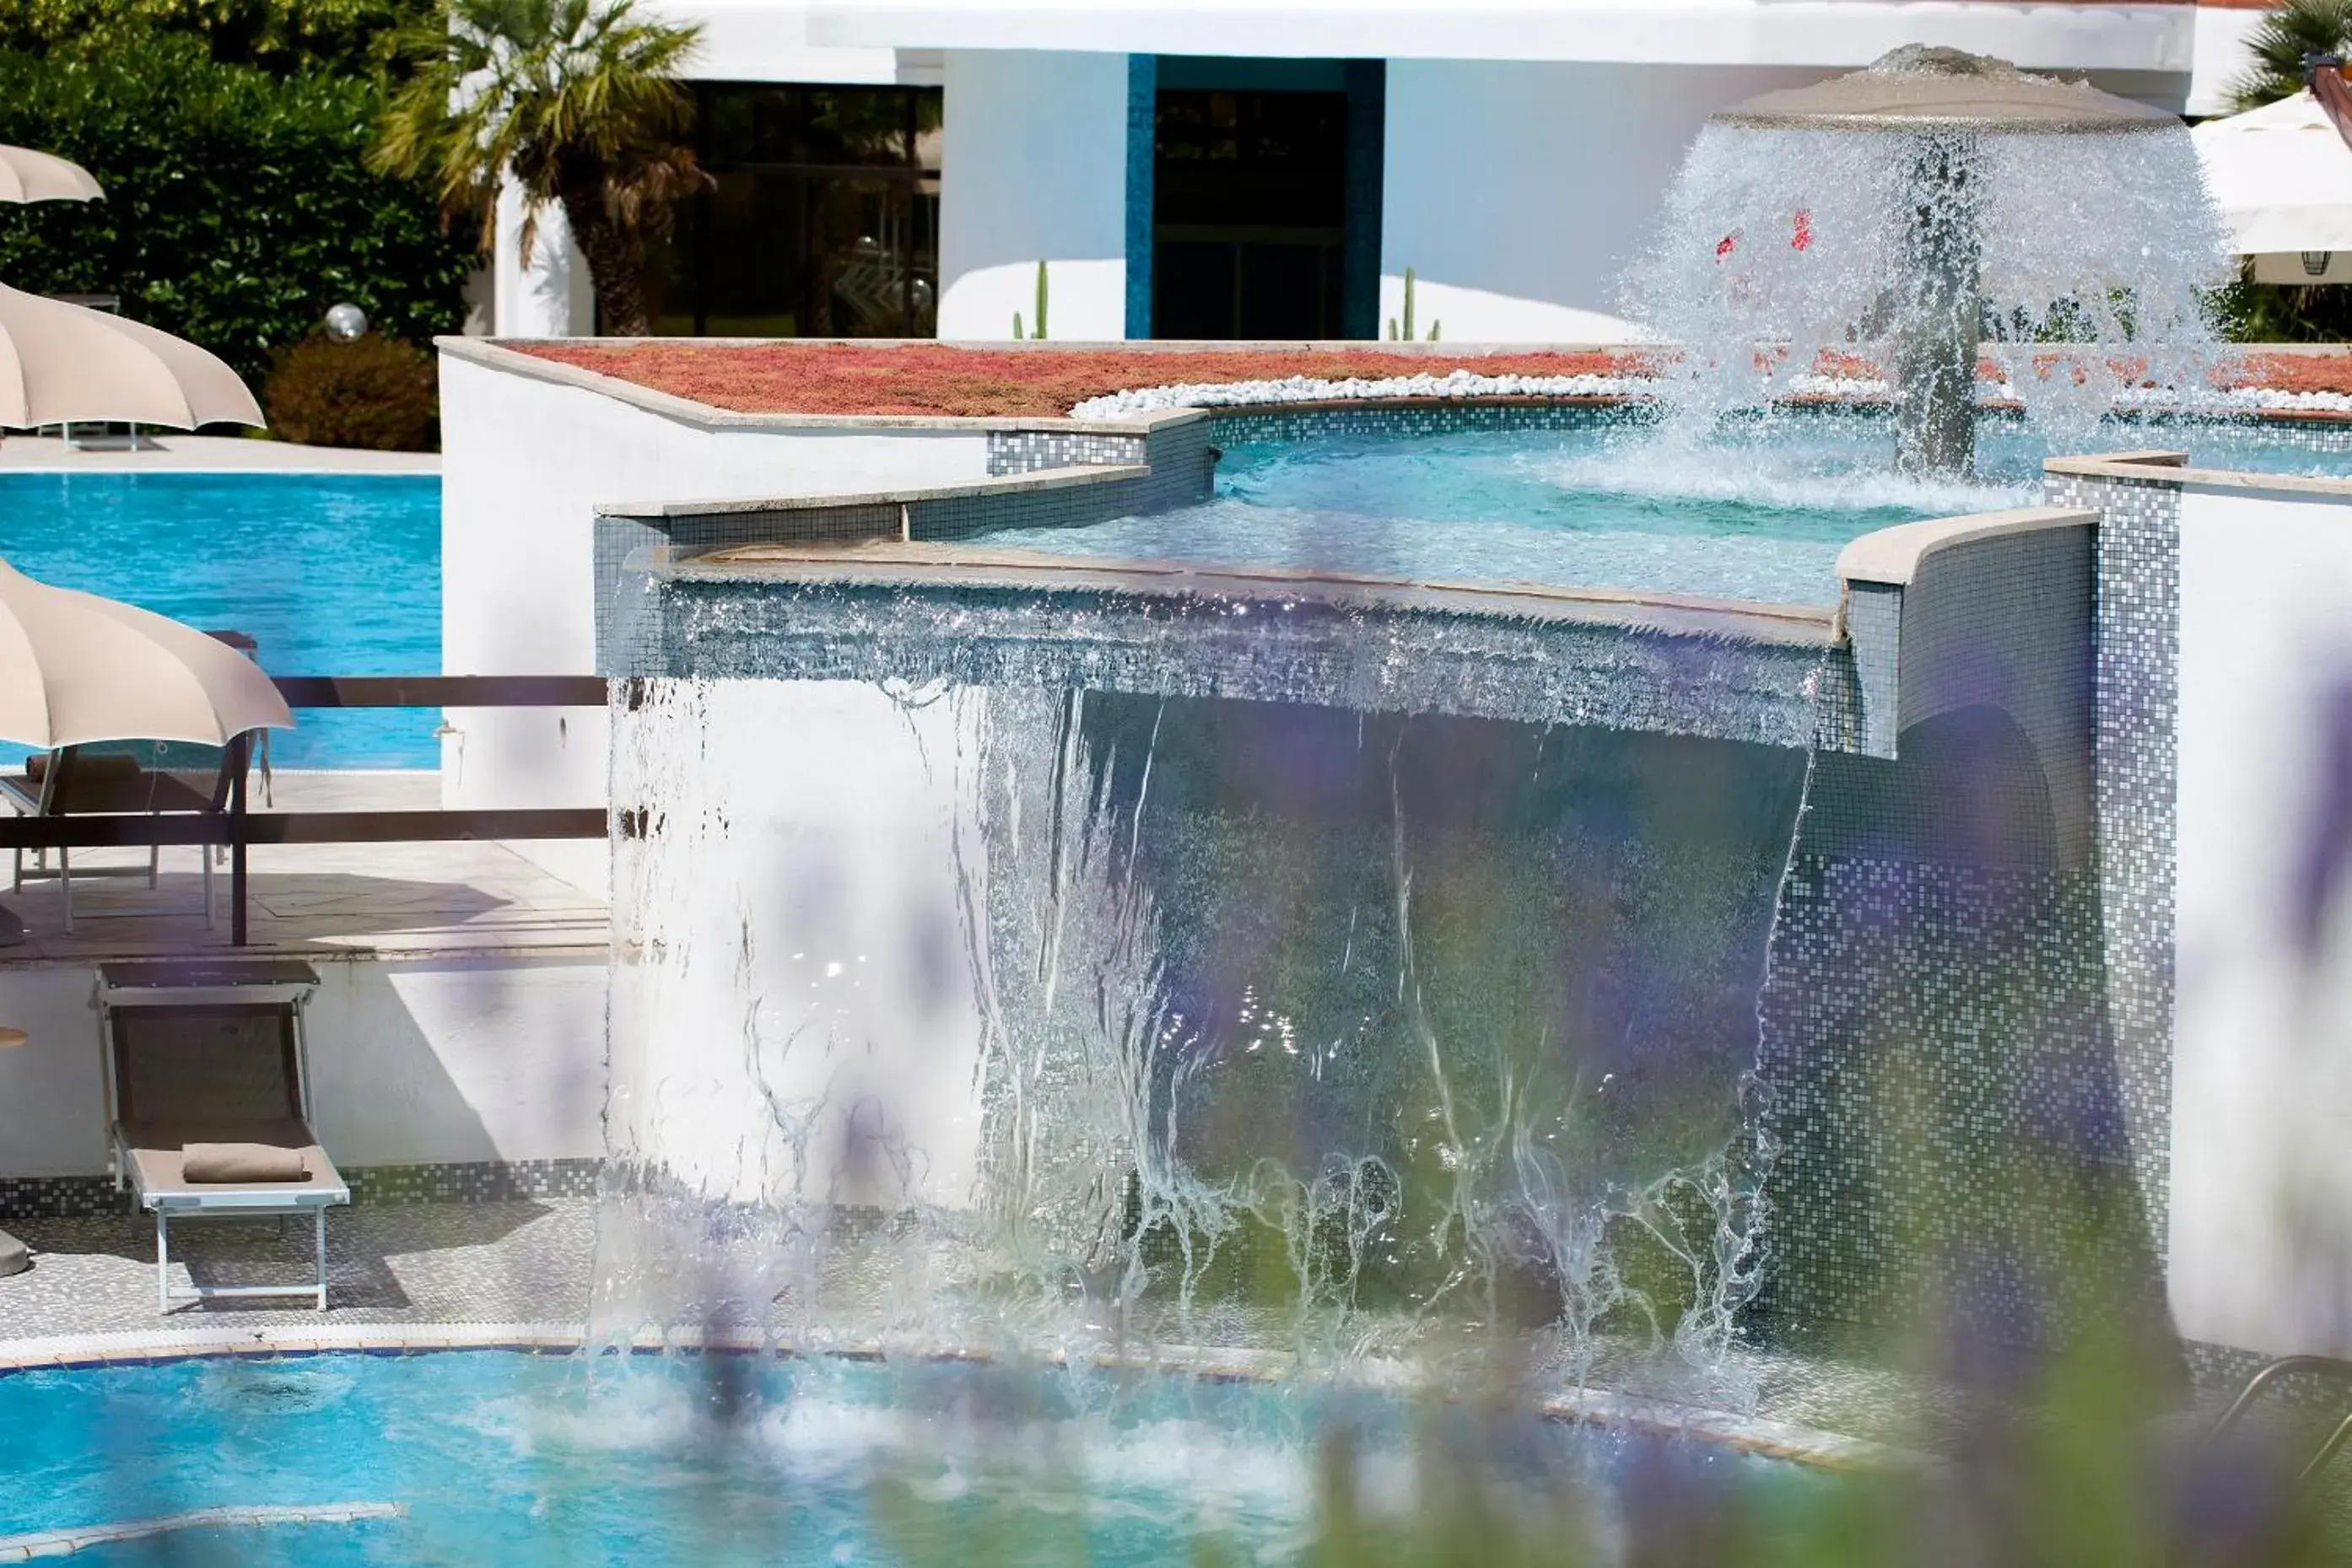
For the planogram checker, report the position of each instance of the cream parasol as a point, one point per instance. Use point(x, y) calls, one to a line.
point(29, 176)
point(76, 668)
point(66, 364)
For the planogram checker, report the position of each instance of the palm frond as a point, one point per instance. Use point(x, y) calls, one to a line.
point(2279, 43)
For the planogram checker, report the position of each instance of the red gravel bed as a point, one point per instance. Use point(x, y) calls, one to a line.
point(933, 379)
point(926, 378)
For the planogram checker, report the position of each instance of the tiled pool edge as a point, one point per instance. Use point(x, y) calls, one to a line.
point(1757, 1436)
point(37, 1543)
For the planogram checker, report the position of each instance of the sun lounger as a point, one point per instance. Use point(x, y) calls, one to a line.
point(113, 778)
point(211, 1053)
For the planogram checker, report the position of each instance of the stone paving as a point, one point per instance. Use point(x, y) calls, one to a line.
point(325, 899)
point(524, 1263)
point(167, 452)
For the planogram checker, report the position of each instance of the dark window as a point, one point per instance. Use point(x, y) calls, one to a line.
point(1249, 213)
point(824, 220)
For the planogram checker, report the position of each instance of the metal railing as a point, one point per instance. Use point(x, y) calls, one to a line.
point(236, 829)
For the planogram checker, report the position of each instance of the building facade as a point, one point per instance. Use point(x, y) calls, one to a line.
point(1253, 169)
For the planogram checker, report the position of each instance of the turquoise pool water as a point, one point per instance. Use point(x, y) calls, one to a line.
point(1755, 511)
point(332, 574)
point(505, 1457)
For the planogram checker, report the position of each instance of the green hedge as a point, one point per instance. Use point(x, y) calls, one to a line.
point(238, 202)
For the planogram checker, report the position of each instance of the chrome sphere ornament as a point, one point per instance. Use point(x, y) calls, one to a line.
point(345, 322)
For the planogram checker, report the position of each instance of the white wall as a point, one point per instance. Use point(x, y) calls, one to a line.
point(2222, 57)
point(547, 295)
point(1033, 169)
point(415, 1061)
point(1823, 33)
point(768, 40)
point(797, 950)
point(1520, 193)
point(2261, 1217)
point(524, 463)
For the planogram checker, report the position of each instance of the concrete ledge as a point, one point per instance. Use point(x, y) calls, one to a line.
point(84, 1538)
point(1895, 555)
point(1010, 485)
point(2171, 468)
point(949, 566)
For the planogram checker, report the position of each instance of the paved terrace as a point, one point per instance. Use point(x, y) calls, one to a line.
point(344, 900)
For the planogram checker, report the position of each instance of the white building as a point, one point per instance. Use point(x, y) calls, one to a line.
point(1263, 169)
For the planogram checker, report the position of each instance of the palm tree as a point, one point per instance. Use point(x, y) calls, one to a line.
point(2281, 40)
point(578, 101)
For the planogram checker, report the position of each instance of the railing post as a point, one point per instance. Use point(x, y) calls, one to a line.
point(240, 755)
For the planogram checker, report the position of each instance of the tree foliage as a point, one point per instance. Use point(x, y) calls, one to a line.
point(577, 100)
point(239, 204)
point(349, 37)
point(2280, 41)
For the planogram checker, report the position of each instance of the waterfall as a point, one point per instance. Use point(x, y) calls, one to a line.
point(1030, 1021)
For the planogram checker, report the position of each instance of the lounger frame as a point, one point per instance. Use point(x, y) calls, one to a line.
point(241, 985)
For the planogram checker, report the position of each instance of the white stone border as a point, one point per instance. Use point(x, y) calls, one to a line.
point(1464, 384)
point(66, 1543)
point(94, 1352)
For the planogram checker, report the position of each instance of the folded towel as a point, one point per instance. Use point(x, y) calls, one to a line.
point(240, 1163)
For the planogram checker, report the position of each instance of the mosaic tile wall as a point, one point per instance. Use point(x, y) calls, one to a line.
point(1276, 423)
point(477, 1181)
point(2136, 781)
point(1027, 450)
point(617, 537)
point(1374, 657)
point(1958, 1125)
point(1183, 466)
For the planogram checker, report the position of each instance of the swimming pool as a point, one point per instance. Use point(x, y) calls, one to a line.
point(510, 1457)
point(332, 574)
point(1754, 509)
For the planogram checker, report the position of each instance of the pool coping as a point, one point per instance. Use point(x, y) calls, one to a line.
point(1759, 1437)
point(923, 564)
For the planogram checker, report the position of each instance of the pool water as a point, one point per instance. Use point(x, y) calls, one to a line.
point(1756, 510)
point(330, 574)
point(498, 1457)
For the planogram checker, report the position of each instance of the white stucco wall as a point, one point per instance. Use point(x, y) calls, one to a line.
point(1819, 33)
point(547, 295)
point(1033, 169)
point(2261, 1217)
point(795, 993)
point(524, 463)
point(2222, 57)
point(768, 40)
point(423, 1061)
point(1520, 193)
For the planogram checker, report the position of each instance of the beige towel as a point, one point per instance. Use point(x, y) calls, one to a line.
point(240, 1163)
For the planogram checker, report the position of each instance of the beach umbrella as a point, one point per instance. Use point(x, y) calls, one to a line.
point(29, 176)
point(66, 364)
point(75, 668)
point(2283, 176)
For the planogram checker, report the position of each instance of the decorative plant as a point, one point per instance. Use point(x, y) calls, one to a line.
point(1408, 334)
point(374, 391)
point(2286, 34)
point(578, 101)
point(1039, 336)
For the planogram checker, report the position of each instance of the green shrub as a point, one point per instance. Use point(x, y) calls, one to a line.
point(282, 35)
point(375, 393)
point(239, 205)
